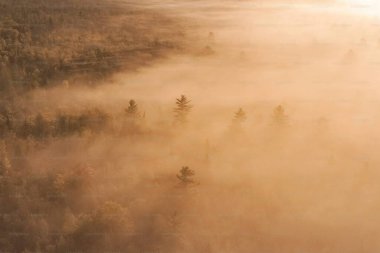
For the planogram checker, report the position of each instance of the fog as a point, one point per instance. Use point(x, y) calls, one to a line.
point(297, 173)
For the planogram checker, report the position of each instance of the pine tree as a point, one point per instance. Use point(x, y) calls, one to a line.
point(132, 111)
point(186, 175)
point(133, 121)
point(182, 109)
point(240, 116)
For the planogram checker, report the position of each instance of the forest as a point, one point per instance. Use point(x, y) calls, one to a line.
point(83, 206)
point(44, 43)
point(188, 127)
point(49, 43)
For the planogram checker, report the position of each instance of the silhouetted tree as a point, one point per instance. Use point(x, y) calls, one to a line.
point(182, 110)
point(132, 111)
point(186, 175)
point(239, 118)
point(133, 121)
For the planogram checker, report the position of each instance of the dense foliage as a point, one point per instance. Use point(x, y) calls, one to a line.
point(45, 42)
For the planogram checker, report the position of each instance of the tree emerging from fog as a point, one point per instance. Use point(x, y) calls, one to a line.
point(133, 118)
point(132, 111)
point(237, 122)
point(182, 110)
point(186, 175)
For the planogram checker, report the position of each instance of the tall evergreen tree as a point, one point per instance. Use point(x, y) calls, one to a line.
point(186, 175)
point(182, 109)
point(132, 110)
point(133, 121)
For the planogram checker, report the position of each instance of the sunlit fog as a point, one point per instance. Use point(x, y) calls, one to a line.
point(185, 126)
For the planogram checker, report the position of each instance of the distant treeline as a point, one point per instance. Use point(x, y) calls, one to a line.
point(43, 42)
point(60, 125)
point(40, 126)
